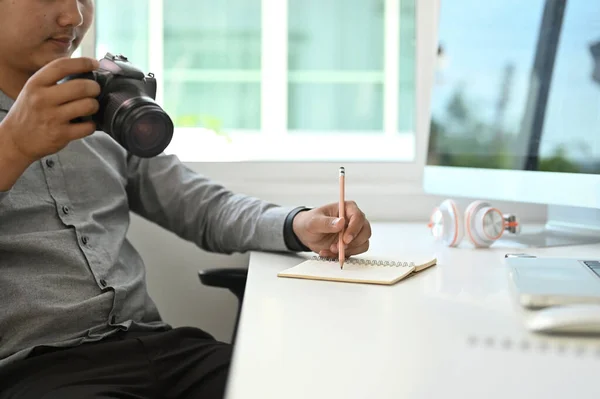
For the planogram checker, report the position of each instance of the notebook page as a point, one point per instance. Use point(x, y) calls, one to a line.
point(357, 273)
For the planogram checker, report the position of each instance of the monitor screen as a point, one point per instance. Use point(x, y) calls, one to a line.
point(517, 86)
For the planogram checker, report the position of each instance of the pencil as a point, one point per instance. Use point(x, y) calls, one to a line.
point(342, 214)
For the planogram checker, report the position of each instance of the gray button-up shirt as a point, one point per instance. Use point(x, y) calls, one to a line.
point(69, 275)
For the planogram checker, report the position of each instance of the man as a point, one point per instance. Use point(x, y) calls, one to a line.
point(76, 320)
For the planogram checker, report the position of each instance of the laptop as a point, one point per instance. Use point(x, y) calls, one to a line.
point(543, 282)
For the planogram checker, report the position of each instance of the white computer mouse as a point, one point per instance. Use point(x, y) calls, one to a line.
point(577, 318)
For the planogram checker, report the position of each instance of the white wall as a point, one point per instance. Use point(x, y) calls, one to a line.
point(173, 264)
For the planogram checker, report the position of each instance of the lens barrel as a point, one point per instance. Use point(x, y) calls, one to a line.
point(137, 123)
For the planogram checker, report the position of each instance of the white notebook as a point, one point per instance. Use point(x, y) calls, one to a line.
point(359, 269)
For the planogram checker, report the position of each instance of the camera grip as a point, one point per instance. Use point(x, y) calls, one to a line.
point(84, 75)
point(82, 119)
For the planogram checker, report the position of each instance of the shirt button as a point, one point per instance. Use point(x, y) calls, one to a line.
point(65, 210)
point(103, 283)
point(49, 163)
point(84, 240)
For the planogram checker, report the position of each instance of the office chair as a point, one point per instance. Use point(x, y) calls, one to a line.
point(234, 279)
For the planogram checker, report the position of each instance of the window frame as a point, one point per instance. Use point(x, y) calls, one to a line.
point(309, 179)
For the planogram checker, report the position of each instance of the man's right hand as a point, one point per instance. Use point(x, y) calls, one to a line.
point(39, 122)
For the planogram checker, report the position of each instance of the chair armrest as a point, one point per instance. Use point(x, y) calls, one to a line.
point(223, 277)
point(231, 278)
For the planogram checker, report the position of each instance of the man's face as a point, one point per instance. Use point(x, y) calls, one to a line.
point(36, 32)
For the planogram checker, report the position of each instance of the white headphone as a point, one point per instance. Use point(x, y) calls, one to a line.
point(481, 223)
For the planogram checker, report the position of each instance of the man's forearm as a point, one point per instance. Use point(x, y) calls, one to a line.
point(168, 193)
point(12, 166)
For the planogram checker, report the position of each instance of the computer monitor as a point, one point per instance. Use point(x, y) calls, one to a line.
point(515, 110)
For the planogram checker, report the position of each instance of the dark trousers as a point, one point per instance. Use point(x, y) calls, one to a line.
point(179, 363)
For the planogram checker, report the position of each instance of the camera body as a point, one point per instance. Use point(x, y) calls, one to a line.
point(128, 111)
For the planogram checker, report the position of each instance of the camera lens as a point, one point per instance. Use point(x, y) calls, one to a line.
point(146, 131)
point(137, 123)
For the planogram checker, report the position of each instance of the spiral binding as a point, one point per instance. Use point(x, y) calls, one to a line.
point(534, 346)
point(367, 262)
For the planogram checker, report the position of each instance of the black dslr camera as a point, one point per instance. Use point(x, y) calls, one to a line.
point(128, 112)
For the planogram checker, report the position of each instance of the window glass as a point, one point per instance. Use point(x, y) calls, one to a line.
point(122, 28)
point(212, 57)
point(335, 61)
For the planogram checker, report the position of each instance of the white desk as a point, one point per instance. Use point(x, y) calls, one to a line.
point(452, 331)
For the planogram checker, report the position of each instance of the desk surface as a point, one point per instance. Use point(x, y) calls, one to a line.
point(453, 330)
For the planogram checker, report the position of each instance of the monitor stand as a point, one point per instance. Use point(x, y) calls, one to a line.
point(565, 226)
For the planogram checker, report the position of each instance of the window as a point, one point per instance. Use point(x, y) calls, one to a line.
point(212, 60)
point(122, 27)
point(336, 65)
point(293, 80)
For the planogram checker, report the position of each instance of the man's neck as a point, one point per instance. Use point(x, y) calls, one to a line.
point(12, 82)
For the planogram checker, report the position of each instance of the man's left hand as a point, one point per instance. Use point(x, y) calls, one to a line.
point(319, 229)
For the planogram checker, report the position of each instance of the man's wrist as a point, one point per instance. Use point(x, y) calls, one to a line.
point(12, 165)
point(292, 241)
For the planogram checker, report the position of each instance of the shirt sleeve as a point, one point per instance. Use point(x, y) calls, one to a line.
point(3, 194)
point(165, 191)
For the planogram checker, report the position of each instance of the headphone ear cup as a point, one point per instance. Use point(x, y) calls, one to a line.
point(483, 224)
point(447, 223)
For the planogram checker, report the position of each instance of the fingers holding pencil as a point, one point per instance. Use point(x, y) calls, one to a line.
point(357, 234)
point(338, 229)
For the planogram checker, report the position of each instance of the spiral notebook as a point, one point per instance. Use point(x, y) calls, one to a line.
point(359, 269)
